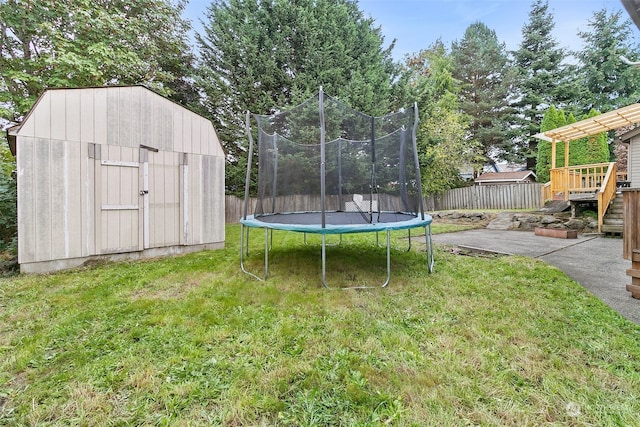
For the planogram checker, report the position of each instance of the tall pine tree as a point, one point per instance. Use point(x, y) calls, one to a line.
point(609, 83)
point(480, 63)
point(541, 78)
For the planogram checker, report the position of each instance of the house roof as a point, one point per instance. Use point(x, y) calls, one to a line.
point(505, 176)
point(625, 116)
point(626, 137)
point(633, 9)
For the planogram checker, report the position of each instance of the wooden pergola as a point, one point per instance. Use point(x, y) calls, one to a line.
point(583, 181)
point(625, 116)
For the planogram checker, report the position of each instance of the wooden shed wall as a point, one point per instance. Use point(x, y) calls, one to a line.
point(80, 173)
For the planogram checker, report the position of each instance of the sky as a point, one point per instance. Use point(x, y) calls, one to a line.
point(416, 24)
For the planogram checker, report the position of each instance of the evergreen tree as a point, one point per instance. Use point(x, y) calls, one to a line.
point(609, 83)
point(481, 65)
point(589, 150)
point(261, 55)
point(541, 78)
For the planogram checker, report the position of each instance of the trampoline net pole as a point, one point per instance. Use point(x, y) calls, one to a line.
point(415, 159)
point(372, 184)
point(250, 160)
point(274, 186)
point(402, 173)
point(322, 158)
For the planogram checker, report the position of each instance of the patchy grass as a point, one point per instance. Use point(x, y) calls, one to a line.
point(191, 340)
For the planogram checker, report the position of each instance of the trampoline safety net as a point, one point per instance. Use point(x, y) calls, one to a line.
point(323, 156)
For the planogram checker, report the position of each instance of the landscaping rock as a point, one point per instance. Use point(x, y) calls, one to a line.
point(549, 219)
point(518, 221)
point(575, 224)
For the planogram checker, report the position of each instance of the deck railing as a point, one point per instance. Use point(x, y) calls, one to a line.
point(580, 179)
point(599, 179)
point(606, 193)
point(546, 192)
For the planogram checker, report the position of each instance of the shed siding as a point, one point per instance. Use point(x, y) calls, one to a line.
point(42, 172)
point(100, 117)
point(87, 109)
point(27, 201)
point(58, 166)
point(213, 207)
point(178, 119)
point(73, 116)
point(187, 141)
point(87, 202)
point(194, 233)
point(126, 108)
point(42, 117)
point(58, 114)
point(73, 199)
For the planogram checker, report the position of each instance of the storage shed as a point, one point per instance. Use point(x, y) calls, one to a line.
point(505, 178)
point(115, 172)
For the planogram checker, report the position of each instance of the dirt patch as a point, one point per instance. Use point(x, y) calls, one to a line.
point(477, 219)
point(164, 291)
point(475, 252)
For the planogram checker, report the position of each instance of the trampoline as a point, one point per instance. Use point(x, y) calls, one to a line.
point(327, 169)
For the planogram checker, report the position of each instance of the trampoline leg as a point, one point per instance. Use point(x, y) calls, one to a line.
point(388, 259)
point(247, 242)
point(409, 234)
point(324, 262)
point(271, 238)
point(266, 253)
point(242, 253)
point(429, 248)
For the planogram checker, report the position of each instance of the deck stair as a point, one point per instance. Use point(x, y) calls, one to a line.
point(613, 222)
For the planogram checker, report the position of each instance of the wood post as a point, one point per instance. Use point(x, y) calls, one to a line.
point(634, 273)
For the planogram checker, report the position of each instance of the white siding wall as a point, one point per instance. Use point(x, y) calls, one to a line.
point(633, 159)
point(50, 205)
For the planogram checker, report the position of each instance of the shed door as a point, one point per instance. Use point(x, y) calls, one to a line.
point(161, 198)
point(118, 225)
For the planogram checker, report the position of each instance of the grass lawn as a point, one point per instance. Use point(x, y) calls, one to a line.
point(191, 340)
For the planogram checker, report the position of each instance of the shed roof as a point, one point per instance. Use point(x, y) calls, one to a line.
point(505, 176)
point(117, 115)
point(604, 122)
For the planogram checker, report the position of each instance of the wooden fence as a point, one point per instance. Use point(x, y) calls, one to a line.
point(516, 196)
point(513, 196)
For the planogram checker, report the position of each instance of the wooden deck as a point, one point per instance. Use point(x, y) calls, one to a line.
point(594, 183)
